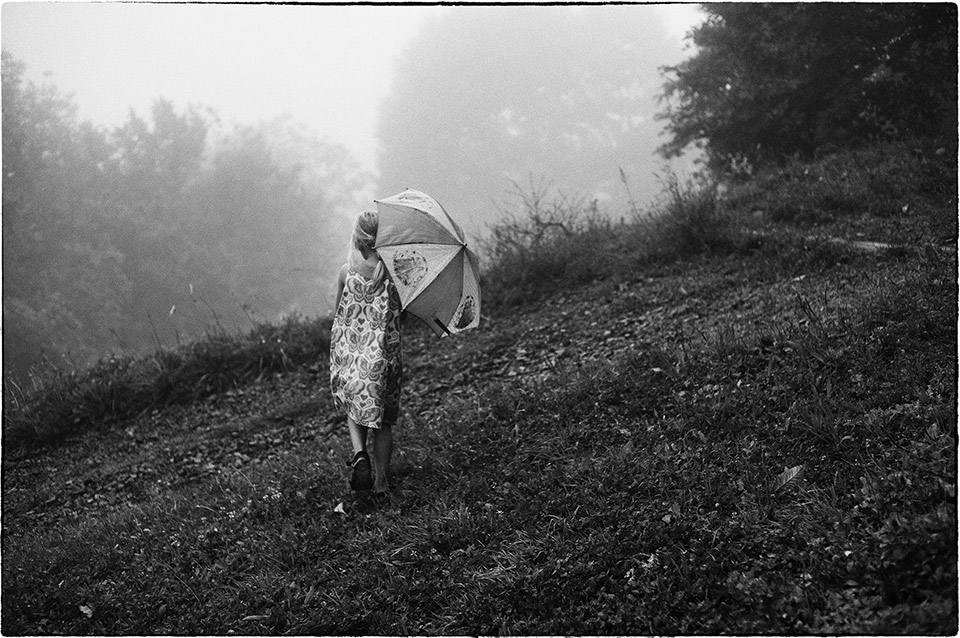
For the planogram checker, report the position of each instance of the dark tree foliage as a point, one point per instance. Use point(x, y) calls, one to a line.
point(773, 80)
point(160, 230)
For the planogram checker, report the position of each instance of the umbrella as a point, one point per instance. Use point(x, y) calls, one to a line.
point(425, 252)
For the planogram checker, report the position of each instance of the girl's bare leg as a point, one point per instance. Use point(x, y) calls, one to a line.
point(382, 450)
point(358, 436)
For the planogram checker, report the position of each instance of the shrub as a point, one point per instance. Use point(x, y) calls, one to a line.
point(63, 402)
point(688, 218)
point(556, 243)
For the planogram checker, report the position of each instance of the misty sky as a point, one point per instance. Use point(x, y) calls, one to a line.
point(326, 66)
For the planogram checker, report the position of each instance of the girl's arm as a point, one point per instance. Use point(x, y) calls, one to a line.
point(341, 278)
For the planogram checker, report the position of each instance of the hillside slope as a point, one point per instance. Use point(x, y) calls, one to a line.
point(757, 441)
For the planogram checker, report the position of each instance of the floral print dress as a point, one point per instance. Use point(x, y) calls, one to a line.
point(365, 362)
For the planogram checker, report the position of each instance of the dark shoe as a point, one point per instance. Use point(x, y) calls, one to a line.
point(360, 479)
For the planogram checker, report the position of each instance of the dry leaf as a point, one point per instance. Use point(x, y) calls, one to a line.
point(787, 476)
point(86, 611)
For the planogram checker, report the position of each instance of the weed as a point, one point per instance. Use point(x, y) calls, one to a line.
point(689, 219)
point(554, 243)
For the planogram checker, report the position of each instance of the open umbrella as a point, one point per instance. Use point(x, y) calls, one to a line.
point(425, 252)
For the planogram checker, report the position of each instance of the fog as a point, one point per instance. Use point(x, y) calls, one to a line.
point(487, 101)
point(327, 67)
point(175, 170)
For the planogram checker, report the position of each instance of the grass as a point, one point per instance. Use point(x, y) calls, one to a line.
point(119, 387)
point(870, 191)
point(552, 242)
point(750, 437)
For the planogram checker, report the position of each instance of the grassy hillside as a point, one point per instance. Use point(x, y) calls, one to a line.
point(714, 420)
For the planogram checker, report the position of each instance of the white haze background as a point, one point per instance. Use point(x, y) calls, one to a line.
point(325, 66)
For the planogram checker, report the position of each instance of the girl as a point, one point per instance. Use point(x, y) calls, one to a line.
point(365, 363)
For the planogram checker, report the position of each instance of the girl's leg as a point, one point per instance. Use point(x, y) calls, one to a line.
point(360, 465)
point(382, 450)
point(358, 436)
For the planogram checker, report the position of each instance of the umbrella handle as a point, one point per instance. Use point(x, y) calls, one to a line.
point(442, 327)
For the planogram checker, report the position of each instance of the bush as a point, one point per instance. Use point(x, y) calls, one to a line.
point(688, 218)
point(557, 243)
point(553, 244)
point(63, 402)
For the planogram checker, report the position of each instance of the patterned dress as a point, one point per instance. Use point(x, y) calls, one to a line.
point(365, 363)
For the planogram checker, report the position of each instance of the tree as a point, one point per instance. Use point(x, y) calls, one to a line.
point(152, 166)
point(272, 215)
point(773, 80)
point(487, 95)
point(161, 228)
point(63, 279)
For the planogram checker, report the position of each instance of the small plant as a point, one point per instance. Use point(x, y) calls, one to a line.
point(551, 243)
point(689, 219)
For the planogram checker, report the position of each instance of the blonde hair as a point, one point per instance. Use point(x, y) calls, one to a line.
point(364, 240)
point(365, 231)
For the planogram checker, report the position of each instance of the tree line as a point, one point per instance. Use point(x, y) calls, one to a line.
point(161, 229)
point(169, 225)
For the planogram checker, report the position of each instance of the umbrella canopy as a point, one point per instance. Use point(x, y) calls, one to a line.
point(427, 256)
